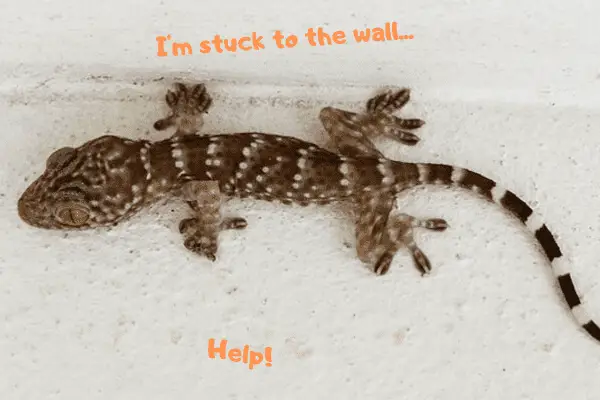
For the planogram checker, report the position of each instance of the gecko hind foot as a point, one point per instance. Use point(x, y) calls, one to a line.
point(381, 108)
point(187, 104)
point(400, 231)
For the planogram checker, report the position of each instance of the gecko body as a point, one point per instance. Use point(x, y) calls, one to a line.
point(109, 179)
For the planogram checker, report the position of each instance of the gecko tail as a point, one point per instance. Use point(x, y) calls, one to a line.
point(429, 173)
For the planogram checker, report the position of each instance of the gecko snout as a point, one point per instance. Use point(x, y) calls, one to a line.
point(25, 211)
point(31, 209)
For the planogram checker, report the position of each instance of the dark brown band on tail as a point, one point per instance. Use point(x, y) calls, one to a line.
point(568, 289)
point(473, 179)
point(515, 205)
point(593, 330)
point(548, 243)
point(439, 173)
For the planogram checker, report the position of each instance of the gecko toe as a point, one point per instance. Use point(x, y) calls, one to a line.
point(382, 265)
point(171, 98)
point(202, 246)
point(407, 138)
point(234, 223)
point(410, 123)
point(421, 261)
point(436, 224)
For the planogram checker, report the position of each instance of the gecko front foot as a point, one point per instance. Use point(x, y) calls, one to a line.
point(187, 104)
point(202, 245)
point(200, 239)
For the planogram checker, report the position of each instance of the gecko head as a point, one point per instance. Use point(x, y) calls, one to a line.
point(84, 187)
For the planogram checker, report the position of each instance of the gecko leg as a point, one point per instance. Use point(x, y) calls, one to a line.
point(351, 132)
point(187, 104)
point(380, 233)
point(202, 231)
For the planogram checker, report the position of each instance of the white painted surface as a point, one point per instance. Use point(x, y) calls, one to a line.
point(509, 89)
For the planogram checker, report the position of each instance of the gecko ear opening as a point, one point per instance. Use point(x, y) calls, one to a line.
point(72, 214)
point(60, 157)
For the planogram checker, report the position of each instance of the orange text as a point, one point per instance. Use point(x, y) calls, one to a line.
point(244, 355)
point(253, 42)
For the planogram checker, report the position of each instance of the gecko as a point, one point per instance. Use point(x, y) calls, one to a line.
point(108, 179)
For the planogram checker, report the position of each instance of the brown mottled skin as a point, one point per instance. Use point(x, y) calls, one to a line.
point(107, 180)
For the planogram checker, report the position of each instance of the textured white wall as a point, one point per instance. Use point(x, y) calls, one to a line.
point(510, 89)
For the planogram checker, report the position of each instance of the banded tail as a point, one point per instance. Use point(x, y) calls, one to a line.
point(440, 174)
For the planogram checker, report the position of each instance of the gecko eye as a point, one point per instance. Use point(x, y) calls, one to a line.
point(72, 215)
point(59, 157)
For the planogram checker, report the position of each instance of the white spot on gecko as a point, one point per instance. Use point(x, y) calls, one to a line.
point(176, 153)
point(343, 168)
point(387, 180)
